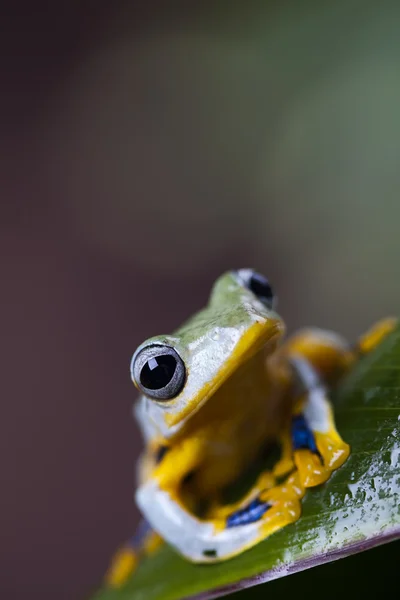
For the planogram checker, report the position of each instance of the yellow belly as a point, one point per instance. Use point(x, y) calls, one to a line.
point(235, 425)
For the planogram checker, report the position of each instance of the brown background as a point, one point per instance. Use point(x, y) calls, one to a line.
point(143, 151)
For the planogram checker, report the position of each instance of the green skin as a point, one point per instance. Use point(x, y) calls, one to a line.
point(207, 343)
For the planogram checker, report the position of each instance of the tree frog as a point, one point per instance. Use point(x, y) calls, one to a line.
point(216, 396)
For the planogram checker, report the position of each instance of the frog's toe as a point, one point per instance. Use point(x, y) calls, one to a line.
point(285, 464)
point(123, 564)
point(316, 466)
point(310, 468)
point(291, 489)
point(285, 503)
point(316, 454)
point(280, 514)
point(307, 458)
point(333, 450)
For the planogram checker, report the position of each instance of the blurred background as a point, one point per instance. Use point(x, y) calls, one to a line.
point(145, 148)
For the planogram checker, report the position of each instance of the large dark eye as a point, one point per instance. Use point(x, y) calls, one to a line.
point(159, 372)
point(258, 284)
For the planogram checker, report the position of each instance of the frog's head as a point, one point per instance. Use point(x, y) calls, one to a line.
point(178, 373)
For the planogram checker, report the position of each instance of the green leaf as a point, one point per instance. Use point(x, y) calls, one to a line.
point(357, 509)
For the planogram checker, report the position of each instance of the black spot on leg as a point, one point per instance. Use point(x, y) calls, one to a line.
point(210, 553)
point(270, 454)
point(188, 477)
point(160, 453)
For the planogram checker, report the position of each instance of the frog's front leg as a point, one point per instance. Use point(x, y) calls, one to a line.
point(220, 537)
point(160, 499)
point(144, 543)
point(224, 533)
point(318, 449)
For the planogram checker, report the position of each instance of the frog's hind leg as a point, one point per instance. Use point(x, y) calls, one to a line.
point(318, 357)
point(126, 560)
point(331, 355)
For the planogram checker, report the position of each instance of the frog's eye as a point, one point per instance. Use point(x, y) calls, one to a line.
point(159, 372)
point(258, 284)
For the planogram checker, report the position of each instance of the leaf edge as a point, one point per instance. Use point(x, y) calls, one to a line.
point(303, 564)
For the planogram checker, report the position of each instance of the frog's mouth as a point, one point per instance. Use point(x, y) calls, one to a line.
point(227, 358)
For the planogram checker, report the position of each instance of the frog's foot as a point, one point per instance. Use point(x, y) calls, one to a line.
point(318, 449)
point(316, 453)
point(123, 564)
point(127, 559)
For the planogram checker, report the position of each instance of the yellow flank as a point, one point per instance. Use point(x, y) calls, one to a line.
point(253, 393)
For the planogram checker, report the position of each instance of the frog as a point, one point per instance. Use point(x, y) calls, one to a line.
point(215, 397)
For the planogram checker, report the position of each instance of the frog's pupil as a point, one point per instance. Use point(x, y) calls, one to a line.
point(260, 286)
point(157, 372)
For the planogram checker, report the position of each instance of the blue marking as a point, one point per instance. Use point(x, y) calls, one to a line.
point(302, 436)
point(250, 514)
point(141, 532)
